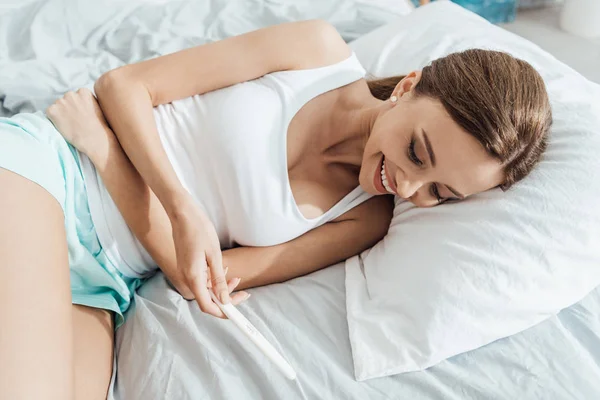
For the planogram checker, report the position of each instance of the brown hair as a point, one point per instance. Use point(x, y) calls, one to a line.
point(498, 99)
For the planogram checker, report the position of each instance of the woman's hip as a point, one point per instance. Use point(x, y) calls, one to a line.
point(31, 146)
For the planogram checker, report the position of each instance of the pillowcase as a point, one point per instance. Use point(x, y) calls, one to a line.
point(452, 278)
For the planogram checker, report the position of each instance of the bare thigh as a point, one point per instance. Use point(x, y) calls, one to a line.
point(36, 335)
point(93, 345)
point(42, 335)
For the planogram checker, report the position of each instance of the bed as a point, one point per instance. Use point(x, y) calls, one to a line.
point(48, 47)
point(168, 349)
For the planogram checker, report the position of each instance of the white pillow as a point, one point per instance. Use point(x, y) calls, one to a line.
point(450, 279)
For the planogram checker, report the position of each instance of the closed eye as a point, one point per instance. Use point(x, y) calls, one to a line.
point(436, 193)
point(412, 155)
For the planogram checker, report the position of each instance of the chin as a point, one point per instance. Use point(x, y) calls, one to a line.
point(367, 186)
point(368, 189)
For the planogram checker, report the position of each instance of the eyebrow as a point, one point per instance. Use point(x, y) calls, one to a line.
point(429, 149)
point(432, 158)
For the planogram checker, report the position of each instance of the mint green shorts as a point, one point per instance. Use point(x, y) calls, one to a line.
point(31, 146)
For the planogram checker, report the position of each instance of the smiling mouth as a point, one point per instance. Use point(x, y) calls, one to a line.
point(381, 182)
point(387, 185)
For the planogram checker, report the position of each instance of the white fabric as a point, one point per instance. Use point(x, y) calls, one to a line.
point(228, 148)
point(169, 350)
point(453, 278)
point(48, 47)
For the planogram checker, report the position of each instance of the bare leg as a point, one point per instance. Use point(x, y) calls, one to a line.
point(93, 348)
point(36, 335)
point(49, 348)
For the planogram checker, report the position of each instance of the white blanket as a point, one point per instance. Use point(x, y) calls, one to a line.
point(48, 47)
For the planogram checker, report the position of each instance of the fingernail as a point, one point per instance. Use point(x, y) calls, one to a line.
point(237, 281)
point(225, 271)
point(247, 297)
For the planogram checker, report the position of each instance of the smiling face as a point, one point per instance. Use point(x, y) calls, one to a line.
point(426, 157)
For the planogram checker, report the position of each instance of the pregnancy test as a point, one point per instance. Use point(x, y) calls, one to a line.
point(255, 336)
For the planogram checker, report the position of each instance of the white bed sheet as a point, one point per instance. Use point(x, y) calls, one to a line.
point(168, 349)
point(48, 47)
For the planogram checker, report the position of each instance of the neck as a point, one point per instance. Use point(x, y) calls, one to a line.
point(351, 121)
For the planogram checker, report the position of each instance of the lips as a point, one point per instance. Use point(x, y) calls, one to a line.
point(377, 183)
point(391, 182)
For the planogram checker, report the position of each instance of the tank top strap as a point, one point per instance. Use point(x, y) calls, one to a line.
point(353, 199)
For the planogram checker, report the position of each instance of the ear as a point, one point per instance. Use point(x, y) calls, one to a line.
point(407, 83)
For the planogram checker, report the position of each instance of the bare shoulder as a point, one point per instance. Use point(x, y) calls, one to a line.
point(331, 47)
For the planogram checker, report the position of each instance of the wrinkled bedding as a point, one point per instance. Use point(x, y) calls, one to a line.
point(168, 349)
point(48, 47)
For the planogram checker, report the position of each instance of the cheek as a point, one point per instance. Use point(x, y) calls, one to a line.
point(390, 137)
point(376, 144)
point(395, 148)
point(376, 134)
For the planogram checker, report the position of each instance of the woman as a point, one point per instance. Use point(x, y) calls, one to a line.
point(268, 153)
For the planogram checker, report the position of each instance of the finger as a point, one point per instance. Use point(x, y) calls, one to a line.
point(209, 279)
point(239, 297)
point(215, 262)
point(196, 280)
point(232, 283)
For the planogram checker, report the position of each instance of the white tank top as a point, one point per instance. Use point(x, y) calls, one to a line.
point(228, 148)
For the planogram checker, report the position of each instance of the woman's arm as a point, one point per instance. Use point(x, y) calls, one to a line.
point(128, 94)
point(357, 230)
point(352, 233)
point(139, 206)
point(79, 119)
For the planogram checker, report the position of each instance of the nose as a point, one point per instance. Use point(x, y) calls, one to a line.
point(408, 187)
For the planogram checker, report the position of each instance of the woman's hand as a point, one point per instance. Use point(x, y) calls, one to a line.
point(79, 119)
point(236, 299)
point(199, 257)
